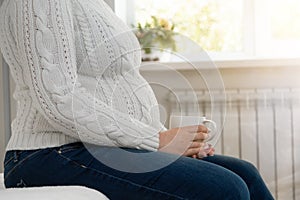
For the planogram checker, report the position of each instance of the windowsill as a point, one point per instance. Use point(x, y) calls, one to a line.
point(230, 63)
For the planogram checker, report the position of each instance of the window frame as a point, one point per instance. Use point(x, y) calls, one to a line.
point(256, 30)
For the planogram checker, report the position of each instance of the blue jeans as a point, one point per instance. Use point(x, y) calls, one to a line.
point(213, 178)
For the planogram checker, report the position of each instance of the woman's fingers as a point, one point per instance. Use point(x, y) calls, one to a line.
point(200, 136)
point(195, 147)
point(196, 129)
point(212, 152)
point(204, 152)
point(192, 151)
point(196, 144)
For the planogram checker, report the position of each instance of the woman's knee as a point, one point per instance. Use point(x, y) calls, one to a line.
point(235, 188)
point(247, 165)
point(248, 171)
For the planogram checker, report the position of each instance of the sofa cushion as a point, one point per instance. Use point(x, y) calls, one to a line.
point(50, 193)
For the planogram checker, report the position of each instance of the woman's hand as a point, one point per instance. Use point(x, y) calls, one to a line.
point(187, 141)
point(208, 150)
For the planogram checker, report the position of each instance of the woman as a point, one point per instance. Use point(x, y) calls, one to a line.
point(74, 63)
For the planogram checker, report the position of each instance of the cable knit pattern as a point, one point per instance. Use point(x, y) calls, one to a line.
point(75, 65)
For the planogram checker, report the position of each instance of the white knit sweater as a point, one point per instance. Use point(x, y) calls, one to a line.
point(76, 68)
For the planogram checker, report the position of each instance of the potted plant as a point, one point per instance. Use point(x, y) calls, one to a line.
point(155, 36)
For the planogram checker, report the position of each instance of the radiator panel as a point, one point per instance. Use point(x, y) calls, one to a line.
point(259, 125)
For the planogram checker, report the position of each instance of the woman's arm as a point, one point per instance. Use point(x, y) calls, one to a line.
point(49, 62)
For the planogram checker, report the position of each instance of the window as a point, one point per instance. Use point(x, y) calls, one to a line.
point(226, 28)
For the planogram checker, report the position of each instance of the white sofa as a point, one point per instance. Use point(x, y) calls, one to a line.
point(49, 193)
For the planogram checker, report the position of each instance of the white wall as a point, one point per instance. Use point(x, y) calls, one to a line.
point(2, 133)
point(2, 126)
point(6, 105)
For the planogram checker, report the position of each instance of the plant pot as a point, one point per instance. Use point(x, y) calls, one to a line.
point(148, 57)
point(156, 55)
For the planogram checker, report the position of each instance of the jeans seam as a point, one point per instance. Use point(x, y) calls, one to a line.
point(120, 179)
point(19, 163)
point(10, 159)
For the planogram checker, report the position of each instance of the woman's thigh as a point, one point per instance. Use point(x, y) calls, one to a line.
point(185, 178)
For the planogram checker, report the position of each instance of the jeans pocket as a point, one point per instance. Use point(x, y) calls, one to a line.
point(69, 147)
point(9, 157)
point(10, 161)
point(14, 159)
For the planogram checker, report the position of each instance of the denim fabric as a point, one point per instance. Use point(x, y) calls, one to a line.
point(213, 178)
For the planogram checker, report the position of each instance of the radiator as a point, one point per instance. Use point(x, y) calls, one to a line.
point(261, 126)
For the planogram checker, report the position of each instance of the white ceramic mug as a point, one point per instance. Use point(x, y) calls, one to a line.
point(180, 121)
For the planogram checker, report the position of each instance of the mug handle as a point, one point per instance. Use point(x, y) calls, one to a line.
point(212, 122)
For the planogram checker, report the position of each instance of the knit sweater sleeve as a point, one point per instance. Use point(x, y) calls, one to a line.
point(51, 75)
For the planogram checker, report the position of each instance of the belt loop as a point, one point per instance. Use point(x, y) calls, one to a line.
point(16, 156)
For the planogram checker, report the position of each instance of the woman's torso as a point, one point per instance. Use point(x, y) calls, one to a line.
point(108, 60)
